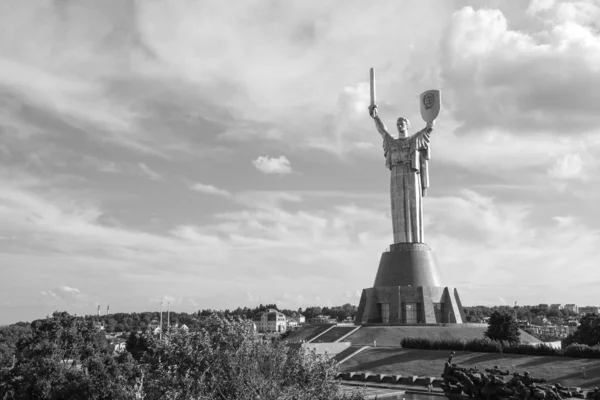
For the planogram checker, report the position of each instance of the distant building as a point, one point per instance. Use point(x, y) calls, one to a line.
point(153, 324)
point(254, 328)
point(120, 347)
point(588, 310)
point(562, 331)
point(292, 323)
point(523, 324)
point(271, 321)
point(540, 321)
point(571, 307)
point(299, 318)
point(558, 331)
point(99, 326)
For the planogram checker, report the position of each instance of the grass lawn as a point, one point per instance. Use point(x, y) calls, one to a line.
point(567, 371)
point(335, 333)
point(306, 333)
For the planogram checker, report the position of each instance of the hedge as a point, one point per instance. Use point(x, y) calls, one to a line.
point(486, 345)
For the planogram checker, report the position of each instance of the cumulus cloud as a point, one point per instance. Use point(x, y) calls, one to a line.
point(209, 189)
point(543, 80)
point(485, 245)
point(273, 165)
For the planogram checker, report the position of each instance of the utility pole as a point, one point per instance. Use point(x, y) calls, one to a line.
point(169, 318)
point(161, 322)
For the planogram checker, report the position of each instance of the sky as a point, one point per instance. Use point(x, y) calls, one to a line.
point(216, 154)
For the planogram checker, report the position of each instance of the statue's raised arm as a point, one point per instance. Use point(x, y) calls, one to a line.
point(381, 128)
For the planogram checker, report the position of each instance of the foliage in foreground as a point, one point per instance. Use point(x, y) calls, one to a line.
point(63, 357)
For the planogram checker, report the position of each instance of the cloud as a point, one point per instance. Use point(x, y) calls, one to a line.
point(66, 295)
point(291, 242)
point(273, 165)
point(155, 176)
point(209, 189)
point(67, 289)
point(93, 86)
point(527, 81)
point(471, 233)
point(568, 167)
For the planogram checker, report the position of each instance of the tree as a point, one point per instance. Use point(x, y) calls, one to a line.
point(64, 357)
point(9, 336)
point(588, 332)
point(225, 360)
point(138, 344)
point(503, 327)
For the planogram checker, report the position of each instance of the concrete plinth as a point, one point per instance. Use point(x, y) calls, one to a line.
point(407, 264)
point(407, 290)
point(409, 305)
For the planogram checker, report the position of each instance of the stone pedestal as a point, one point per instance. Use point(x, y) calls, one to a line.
point(407, 290)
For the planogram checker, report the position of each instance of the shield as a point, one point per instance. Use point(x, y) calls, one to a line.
point(430, 102)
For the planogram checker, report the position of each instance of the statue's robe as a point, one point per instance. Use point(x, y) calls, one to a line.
point(407, 160)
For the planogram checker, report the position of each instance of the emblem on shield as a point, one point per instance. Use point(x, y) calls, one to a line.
point(430, 102)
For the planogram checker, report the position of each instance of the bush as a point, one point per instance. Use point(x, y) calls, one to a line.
point(540, 350)
point(428, 344)
point(484, 345)
point(582, 351)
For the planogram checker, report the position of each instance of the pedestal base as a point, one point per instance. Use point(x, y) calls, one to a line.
point(407, 290)
point(407, 264)
point(409, 305)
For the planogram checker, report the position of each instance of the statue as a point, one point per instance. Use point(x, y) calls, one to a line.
point(407, 158)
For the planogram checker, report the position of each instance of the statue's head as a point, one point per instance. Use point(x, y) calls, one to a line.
point(402, 125)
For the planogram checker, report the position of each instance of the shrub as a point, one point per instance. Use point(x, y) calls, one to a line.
point(582, 351)
point(429, 344)
point(484, 345)
point(540, 350)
